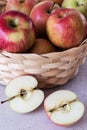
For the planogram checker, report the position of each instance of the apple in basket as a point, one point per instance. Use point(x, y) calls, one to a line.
point(24, 6)
point(42, 45)
point(80, 5)
point(17, 32)
point(63, 107)
point(40, 13)
point(66, 28)
point(23, 94)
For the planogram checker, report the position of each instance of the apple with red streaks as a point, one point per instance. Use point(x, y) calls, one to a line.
point(40, 13)
point(17, 32)
point(66, 28)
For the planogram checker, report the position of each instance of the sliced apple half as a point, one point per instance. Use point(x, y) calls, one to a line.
point(23, 94)
point(63, 107)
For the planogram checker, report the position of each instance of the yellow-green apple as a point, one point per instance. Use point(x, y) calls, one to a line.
point(66, 28)
point(42, 45)
point(56, 1)
point(80, 5)
point(23, 94)
point(24, 6)
point(17, 31)
point(40, 13)
point(63, 107)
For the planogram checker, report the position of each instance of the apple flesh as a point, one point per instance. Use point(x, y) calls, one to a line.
point(66, 28)
point(24, 6)
point(63, 108)
point(42, 46)
point(23, 94)
point(80, 5)
point(17, 32)
point(40, 14)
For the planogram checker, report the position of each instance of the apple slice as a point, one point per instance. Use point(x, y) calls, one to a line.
point(23, 94)
point(63, 107)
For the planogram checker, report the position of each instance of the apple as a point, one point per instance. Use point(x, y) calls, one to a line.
point(63, 107)
point(66, 28)
point(80, 5)
point(23, 94)
point(24, 6)
point(59, 2)
point(40, 13)
point(17, 32)
point(42, 45)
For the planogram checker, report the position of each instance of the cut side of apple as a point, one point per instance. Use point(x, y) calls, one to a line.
point(63, 107)
point(23, 94)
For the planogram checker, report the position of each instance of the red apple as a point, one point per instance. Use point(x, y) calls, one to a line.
point(42, 45)
point(17, 32)
point(66, 28)
point(40, 14)
point(24, 6)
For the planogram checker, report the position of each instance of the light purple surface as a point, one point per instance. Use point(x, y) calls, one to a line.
point(37, 120)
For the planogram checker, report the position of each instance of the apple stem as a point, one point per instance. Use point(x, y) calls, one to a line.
point(52, 7)
point(22, 93)
point(22, 1)
point(8, 99)
point(79, 4)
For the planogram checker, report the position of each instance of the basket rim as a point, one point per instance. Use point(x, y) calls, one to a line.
point(83, 44)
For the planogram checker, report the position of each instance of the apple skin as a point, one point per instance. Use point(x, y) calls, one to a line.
point(24, 6)
point(42, 45)
point(39, 14)
point(66, 28)
point(80, 5)
point(17, 32)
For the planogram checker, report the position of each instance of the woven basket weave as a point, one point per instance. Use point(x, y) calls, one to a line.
point(50, 69)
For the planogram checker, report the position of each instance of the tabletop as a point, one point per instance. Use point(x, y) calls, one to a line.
point(38, 120)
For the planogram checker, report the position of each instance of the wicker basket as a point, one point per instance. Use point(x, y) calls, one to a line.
point(50, 69)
